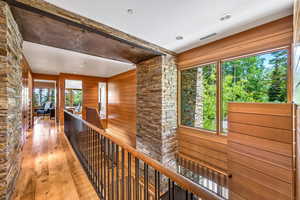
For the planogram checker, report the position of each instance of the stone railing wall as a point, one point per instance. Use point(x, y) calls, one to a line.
point(10, 101)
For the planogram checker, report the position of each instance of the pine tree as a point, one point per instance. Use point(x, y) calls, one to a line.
point(277, 91)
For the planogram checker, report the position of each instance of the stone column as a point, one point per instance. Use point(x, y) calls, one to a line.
point(157, 109)
point(10, 101)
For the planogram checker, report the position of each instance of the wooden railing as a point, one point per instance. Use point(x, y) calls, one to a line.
point(118, 171)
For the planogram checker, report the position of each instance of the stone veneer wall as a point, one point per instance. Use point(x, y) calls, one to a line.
point(10, 101)
point(157, 109)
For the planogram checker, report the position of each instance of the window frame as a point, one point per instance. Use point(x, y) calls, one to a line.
point(218, 63)
point(200, 66)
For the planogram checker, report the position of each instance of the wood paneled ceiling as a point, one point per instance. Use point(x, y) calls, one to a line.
point(42, 27)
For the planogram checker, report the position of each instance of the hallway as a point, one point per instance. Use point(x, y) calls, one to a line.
point(49, 168)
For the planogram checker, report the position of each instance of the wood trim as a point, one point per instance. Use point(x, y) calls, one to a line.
point(290, 75)
point(219, 98)
point(82, 77)
point(45, 76)
point(123, 74)
point(44, 85)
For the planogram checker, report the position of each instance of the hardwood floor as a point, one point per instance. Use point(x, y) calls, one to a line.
point(50, 169)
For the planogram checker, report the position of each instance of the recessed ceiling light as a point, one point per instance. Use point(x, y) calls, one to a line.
point(130, 11)
point(179, 37)
point(225, 17)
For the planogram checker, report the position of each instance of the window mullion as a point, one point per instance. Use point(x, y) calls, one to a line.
point(219, 99)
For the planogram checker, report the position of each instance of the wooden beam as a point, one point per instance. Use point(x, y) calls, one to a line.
point(43, 11)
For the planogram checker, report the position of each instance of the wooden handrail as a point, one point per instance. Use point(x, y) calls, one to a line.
point(179, 179)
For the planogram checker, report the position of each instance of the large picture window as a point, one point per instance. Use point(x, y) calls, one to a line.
point(198, 97)
point(207, 90)
point(259, 78)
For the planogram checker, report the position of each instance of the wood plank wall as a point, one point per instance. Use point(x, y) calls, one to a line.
point(205, 148)
point(90, 95)
point(268, 36)
point(261, 152)
point(50, 85)
point(122, 106)
point(27, 87)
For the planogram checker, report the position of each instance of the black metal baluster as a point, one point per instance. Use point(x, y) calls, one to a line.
point(137, 178)
point(129, 176)
point(95, 160)
point(192, 196)
point(198, 173)
point(123, 174)
point(219, 185)
point(101, 164)
point(112, 170)
point(117, 172)
point(98, 163)
point(145, 181)
point(85, 145)
point(158, 185)
point(105, 172)
point(226, 182)
point(89, 153)
point(108, 171)
point(173, 190)
point(211, 177)
point(155, 185)
point(186, 195)
point(169, 189)
point(93, 156)
point(215, 182)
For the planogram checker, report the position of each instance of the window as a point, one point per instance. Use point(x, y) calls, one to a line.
point(73, 93)
point(198, 97)
point(43, 95)
point(102, 99)
point(73, 97)
point(296, 74)
point(257, 78)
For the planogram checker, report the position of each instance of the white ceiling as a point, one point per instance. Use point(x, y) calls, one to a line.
point(49, 60)
point(160, 21)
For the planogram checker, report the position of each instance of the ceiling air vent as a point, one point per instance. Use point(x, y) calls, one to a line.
point(208, 36)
